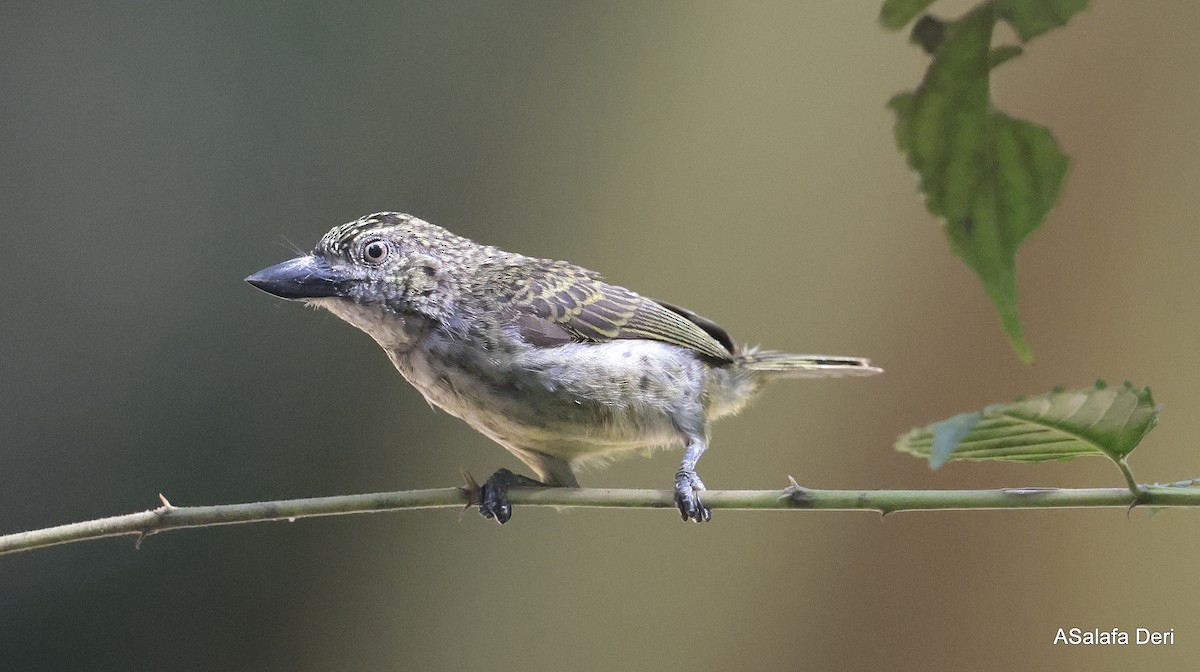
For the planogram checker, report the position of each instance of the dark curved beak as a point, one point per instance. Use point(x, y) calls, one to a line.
point(307, 277)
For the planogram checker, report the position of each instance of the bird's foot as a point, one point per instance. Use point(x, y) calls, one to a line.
point(493, 495)
point(688, 487)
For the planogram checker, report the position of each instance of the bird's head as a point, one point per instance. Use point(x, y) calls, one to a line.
point(384, 273)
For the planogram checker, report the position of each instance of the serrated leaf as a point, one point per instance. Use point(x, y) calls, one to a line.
point(992, 178)
point(896, 14)
point(1031, 18)
point(1061, 425)
point(949, 434)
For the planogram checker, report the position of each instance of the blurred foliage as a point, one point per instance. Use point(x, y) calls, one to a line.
point(992, 178)
point(1060, 425)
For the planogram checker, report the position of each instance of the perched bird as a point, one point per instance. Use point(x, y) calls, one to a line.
point(544, 357)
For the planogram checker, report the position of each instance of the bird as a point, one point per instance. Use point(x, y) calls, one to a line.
point(546, 358)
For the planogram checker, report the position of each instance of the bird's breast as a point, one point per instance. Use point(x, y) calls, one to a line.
point(571, 400)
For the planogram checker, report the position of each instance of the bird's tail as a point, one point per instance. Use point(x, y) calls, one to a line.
point(732, 387)
point(783, 365)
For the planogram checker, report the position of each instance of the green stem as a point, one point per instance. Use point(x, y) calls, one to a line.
point(168, 517)
point(1136, 488)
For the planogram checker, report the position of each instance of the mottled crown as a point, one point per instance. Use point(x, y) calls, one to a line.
point(411, 231)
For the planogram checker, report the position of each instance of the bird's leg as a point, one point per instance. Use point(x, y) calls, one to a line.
point(554, 472)
point(688, 485)
point(493, 496)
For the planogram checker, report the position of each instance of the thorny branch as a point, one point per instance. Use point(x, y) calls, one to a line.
point(794, 497)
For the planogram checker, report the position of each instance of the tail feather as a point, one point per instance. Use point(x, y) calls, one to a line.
point(784, 365)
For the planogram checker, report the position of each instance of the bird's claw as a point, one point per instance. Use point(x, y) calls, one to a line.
point(688, 487)
point(493, 494)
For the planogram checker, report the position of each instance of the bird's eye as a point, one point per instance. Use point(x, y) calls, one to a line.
point(375, 252)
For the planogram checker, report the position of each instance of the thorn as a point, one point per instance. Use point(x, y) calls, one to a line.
point(792, 489)
point(166, 503)
point(137, 543)
point(471, 489)
point(1129, 511)
point(796, 494)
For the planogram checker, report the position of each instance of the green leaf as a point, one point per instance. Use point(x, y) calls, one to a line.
point(1003, 54)
point(1031, 18)
point(949, 434)
point(1061, 425)
point(928, 33)
point(895, 14)
point(991, 177)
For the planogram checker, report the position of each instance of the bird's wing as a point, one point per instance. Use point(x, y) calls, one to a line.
point(558, 303)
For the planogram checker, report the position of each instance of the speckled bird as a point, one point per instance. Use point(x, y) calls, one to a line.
point(545, 358)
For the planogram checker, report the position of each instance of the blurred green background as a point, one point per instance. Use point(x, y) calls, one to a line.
point(735, 159)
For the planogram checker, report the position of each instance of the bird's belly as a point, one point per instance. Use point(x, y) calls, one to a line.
point(573, 401)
